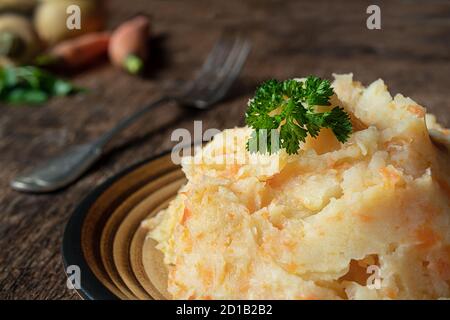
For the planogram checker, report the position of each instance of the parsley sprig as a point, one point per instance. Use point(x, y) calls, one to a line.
point(31, 85)
point(286, 109)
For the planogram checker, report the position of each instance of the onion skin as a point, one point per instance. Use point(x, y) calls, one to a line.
point(128, 48)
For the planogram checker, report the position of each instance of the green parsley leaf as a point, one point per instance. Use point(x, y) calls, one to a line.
point(317, 91)
point(30, 96)
point(286, 111)
point(339, 122)
point(31, 85)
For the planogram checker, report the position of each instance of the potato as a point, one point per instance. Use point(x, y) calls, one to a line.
point(18, 40)
point(51, 19)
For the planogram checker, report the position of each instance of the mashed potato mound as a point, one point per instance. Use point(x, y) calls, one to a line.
point(368, 219)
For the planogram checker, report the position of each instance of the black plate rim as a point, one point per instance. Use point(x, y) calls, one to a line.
point(91, 288)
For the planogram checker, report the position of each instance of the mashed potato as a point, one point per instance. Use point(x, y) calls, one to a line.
point(368, 219)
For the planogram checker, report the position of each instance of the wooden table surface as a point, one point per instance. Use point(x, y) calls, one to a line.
point(290, 39)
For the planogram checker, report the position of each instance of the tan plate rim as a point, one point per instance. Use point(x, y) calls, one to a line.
point(127, 229)
point(91, 286)
point(138, 246)
point(118, 216)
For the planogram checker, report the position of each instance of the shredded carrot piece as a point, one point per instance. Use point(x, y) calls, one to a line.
point(366, 218)
point(427, 236)
point(205, 274)
point(275, 181)
point(340, 165)
point(391, 293)
point(291, 267)
point(390, 175)
point(244, 287)
point(186, 215)
point(417, 110)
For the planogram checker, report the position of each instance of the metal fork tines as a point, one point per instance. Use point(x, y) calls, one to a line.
point(217, 74)
point(213, 81)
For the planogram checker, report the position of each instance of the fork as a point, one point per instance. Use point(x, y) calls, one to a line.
point(219, 71)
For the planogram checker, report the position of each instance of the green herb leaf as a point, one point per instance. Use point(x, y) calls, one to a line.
point(317, 91)
point(288, 108)
point(61, 88)
point(31, 96)
point(31, 85)
point(339, 122)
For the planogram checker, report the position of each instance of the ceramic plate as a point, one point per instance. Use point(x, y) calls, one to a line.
point(105, 239)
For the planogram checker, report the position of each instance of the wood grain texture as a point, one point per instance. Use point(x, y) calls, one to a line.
point(290, 38)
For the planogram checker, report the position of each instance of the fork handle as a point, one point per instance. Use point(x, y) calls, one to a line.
point(126, 122)
point(62, 170)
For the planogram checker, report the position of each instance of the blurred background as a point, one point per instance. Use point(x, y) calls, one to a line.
point(92, 88)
